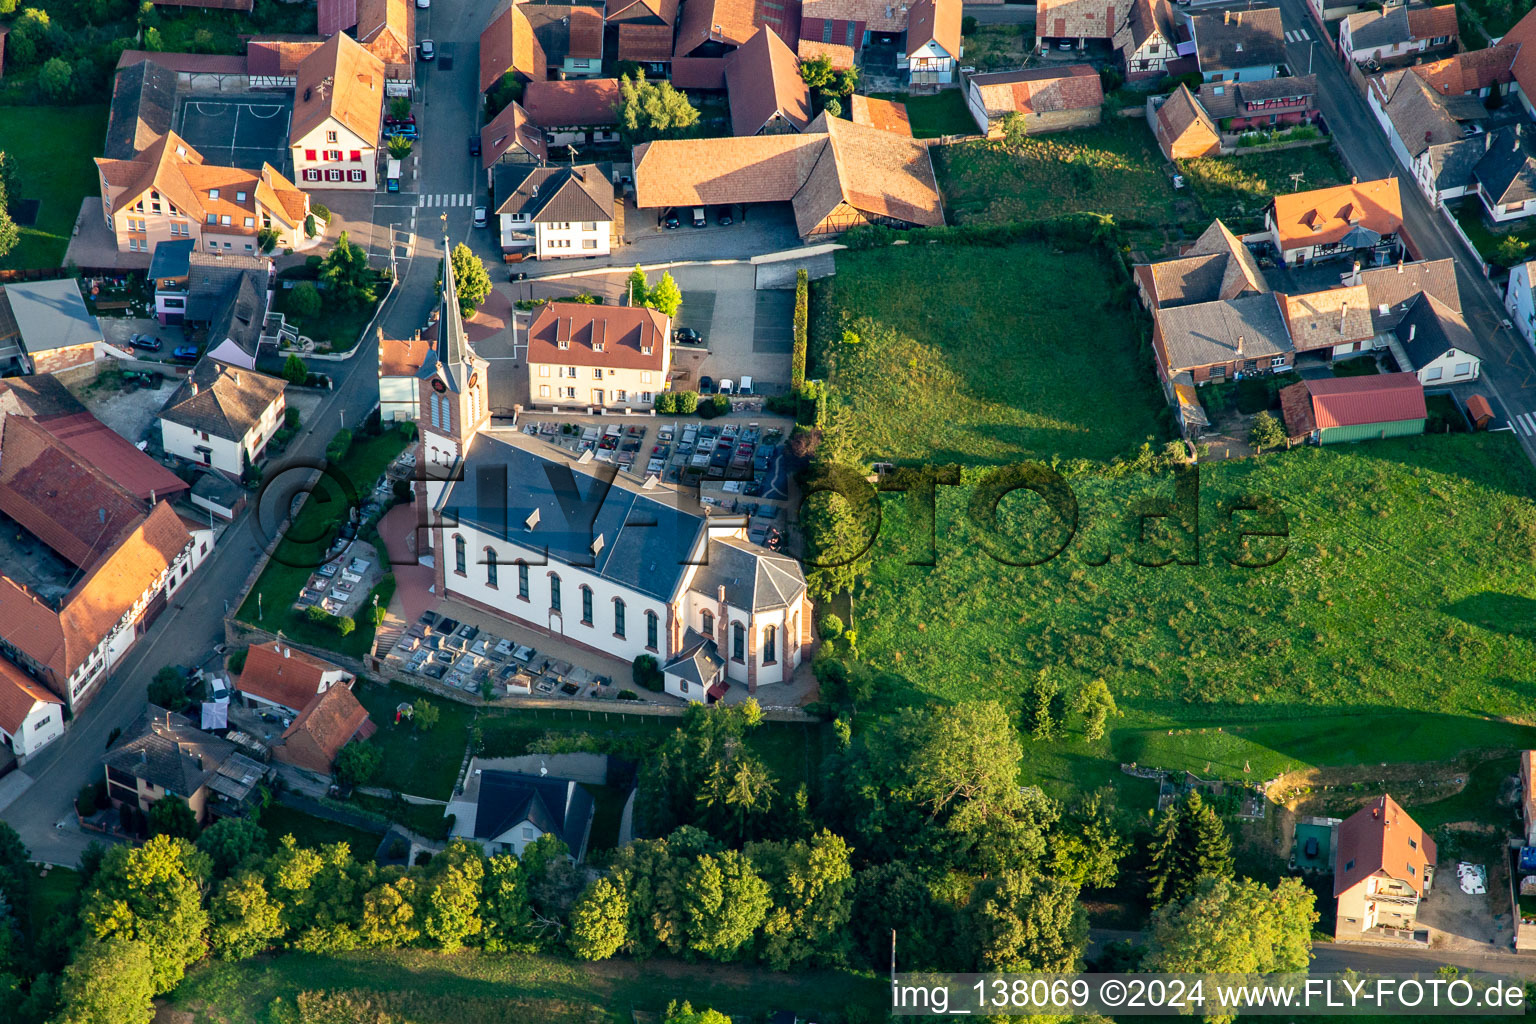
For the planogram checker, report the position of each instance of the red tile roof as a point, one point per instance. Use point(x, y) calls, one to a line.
point(191, 63)
point(763, 79)
point(1432, 22)
point(645, 43)
point(402, 357)
point(576, 103)
point(622, 331)
point(328, 722)
point(508, 44)
point(1325, 215)
point(936, 20)
point(1353, 401)
point(334, 16)
point(19, 694)
point(1381, 837)
point(698, 72)
point(512, 127)
point(283, 675)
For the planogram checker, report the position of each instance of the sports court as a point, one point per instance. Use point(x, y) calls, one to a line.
point(244, 132)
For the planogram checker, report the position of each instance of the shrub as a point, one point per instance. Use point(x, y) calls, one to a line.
point(339, 445)
point(802, 335)
point(968, 26)
point(687, 402)
point(628, 695)
point(291, 418)
point(666, 402)
point(345, 625)
point(294, 372)
point(304, 300)
point(236, 661)
point(317, 615)
point(831, 626)
point(722, 404)
point(647, 673)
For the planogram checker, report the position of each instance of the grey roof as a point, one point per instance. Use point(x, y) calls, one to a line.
point(1430, 329)
point(242, 314)
point(210, 280)
point(52, 315)
point(646, 542)
point(1507, 172)
point(227, 401)
point(1391, 290)
point(171, 259)
point(143, 100)
point(1373, 28)
point(449, 358)
point(559, 193)
point(1225, 40)
point(1451, 163)
point(755, 578)
point(697, 661)
point(1418, 114)
point(40, 394)
point(557, 806)
point(167, 750)
point(1209, 332)
point(218, 488)
point(1278, 88)
point(1217, 266)
point(551, 24)
point(1242, 271)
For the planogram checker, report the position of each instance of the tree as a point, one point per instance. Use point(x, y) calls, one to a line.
point(358, 763)
point(726, 901)
point(56, 78)
point(666, 297)
point(739, 793)
point(424, 714)
point(10, 234)
point(833, 106)
point(452, 906)
point(232, 843)
point(653, 110)
point(636, 288)
point(389, 915)
point(399, 108)
point(811, 886)
point(504, 905)
point(169, 689)
point(844, 82)
point(243, 918)
point(1040, 705)
point(705, 774)
point(598, 921)
point(687, 402)
point(816, 72)
point(266, 240)
point(152, 894)
point(1189, 843)
point(172, 816)
point(1087, 847)
point(839, 534)
point(1030, 923)
point(684, 1013)
point(1015, 131)
point(295, 371)
point(304, 300)
point(470, 278)
point(1267, 431)
point(399, 147)
point(646, 673)
point(345, 273)
point(109, 981)
point(553, 883)
point(1096, 704)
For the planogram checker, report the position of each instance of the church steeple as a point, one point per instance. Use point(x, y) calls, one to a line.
point(452, 385)
point(451, 359)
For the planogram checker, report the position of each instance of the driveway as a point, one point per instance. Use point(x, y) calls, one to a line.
point(129, 413)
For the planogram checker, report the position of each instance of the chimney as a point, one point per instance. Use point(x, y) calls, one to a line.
point(1226, 17)
point(1412, 330)
point(1239, 344)
point(1343, 315)
point(287, 651)
point(1354, 181)
point(1399, 264)
point(1354, 277)
point(237, 378)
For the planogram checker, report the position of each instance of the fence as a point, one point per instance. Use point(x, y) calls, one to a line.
point(1450, 219)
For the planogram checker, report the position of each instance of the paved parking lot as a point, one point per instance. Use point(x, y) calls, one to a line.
point(238, 132)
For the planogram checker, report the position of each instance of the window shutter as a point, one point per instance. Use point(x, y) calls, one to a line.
point(309, 154)
point(357, 155)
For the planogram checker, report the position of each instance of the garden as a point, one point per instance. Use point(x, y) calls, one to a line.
point(1238, 188)
point(936, 114)
point(53, 169)
point(331, 299)
point(1499, 248)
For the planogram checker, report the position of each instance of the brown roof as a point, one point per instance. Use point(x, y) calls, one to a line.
point(292, 680)
point(698, 72)
point(1357, 401)
point(1043, 90)
point(1334, 316)
point(402, 357)
point(1242, 273)
point(339, 80)
point(662, 12)
point(1390, 290)
point(1523, 33)
point(192, 63)
point(511, 127)
point(386, 28)
point(278, 58)
point(1146, 18)
point(751, 169)
point(19, 694)
point(114, 455)
point(724, 21)
point(645, 43)
point(223, 400)
point(1325, 215)
point(1472, 71)
point(1432, 22)
point(1381, 837)
point(210, 5)
point(1238, 39)
point(1182, 122)
point(585, 33)
point(887, 115)
point(763, 82)
point(1296, 410)
point(508, 44)
point(840, 56)
point(612, 336)
point(1079, 19)
point(332, 16)
point(937, 21)
point(577, 102)
point(326, 724)
point(875, 15)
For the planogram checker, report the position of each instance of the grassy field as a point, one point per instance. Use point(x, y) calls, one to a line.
point(416, 762)
point(998, 47)
point(435, 988)
point(981, 354)
point(1238, 188)
point(1500, 248)
point(52, 147)
point(941, 113)
point(309, 830)
point(1114, 168)
point(305, 546)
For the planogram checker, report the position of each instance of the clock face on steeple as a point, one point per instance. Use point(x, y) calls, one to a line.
point(474, 379)
point(438, 385)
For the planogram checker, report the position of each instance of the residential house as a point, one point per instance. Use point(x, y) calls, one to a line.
point(603, 357)
point(1385, 867)
point(1080, 23)
point(1344, 409)
point(1520, 300)
point(1436, 135)
point(1438, 343)
point(283, 678)
point(575, 112)
point(709, 29)
point(1222, 340)
point(168, 193)
point(227, 296)
point(512, 137)
point(644, 29)
point(143, 104)
point(1217, 266)
point(501, 539)
point(222, 416)
point(767, 94)
point(1528, 796)
point(508, 46)
point(163, 755)
point(1050, 98)
point(31, 717)
point(886, 115)
point(234, 334)
point(399, 361)
point(338, 110)
point(835, 175)
point(1361, 218)
point(55, 328)
point(1147, 40)
point(1184, 131)
point(385, 28)
point(169, 271)
point(570, 34)
point(504, 811)
point(86, 566)
point(1523, 68)
point(1268, 104)
point(1239, 46)
point(1506, 174)
point(1397, 31)
point(330, 721)
point(933, 42)
point(555, 212)
point(1479, 73)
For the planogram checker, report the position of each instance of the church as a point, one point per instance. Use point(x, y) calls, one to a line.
point(572, 550)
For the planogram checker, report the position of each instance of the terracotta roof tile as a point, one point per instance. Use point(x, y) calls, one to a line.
point(333, 16)
point(1326, 215)
point(936, 21)
point(508, 44)
point(875, 15)
point(1334, 316)
point(763, 82)
point(1472, 71)
point(279, 58)
point(886, 115)
point(1523, 36)
point(577, 102)
point(624, 332)
point(326, 724)
point(1381, 837)
point(292, 680)
point(723, 21)
point(662, 12)
point(839, 55)
point(192, 63)
point(386, 28)
point(698, 72)
point(339, 80)
point(402, 357)
point(645, 43)
point(1432, 22)
point(1079, 19)
point(19, 694)
point(1043, 90)
point(511, 128)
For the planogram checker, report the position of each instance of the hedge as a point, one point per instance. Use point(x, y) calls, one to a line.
point(802, 333)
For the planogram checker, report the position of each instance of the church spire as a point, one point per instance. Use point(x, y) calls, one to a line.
point(451, 358)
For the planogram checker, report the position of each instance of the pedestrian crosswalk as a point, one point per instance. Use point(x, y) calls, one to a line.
point(1297, 35)
point(1525, 423)
point(448, 199)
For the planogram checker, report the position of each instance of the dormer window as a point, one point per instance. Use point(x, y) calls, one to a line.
point(563, 344)
point(597, 346)
point(213, 193)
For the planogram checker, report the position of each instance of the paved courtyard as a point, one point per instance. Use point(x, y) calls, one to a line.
point(245, 132)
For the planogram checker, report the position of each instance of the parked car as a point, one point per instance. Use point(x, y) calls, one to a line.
point(423, 4)
point(706, 385)
point(428, 47)
point(1065, 44)
point(474, 145)
point(699, 220)
point(671, 221)
point(517, 275)
point(145, 342)
point(725, 219)
point(687, 336)
point(391, 121)
point(188, 352)
point(480, 217)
